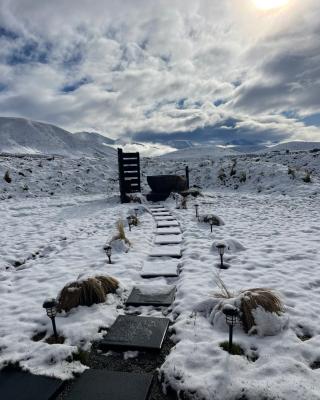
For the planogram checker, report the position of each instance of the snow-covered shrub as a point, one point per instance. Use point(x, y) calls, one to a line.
point(307, 177)
point(260, 310)
point(222, 175)
point(86, 292)
point(291, 172)
point(215, 219)
point(232, 245)
point(242, 177)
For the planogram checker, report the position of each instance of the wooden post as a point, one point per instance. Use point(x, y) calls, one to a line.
point(121, 176)
point(187, 177)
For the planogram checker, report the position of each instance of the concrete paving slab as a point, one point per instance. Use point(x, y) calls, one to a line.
point(130, 332)
point(100, 384)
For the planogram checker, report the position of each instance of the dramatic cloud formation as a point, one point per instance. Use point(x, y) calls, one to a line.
point(219, 70)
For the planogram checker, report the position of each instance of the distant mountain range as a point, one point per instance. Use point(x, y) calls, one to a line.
point(23, 136)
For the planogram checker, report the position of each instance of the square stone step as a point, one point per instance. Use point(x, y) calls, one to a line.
point(168, 239)
point(162, 214)
point(130, 332)
point(161, 224)
point(166, 268)
point(156, 206)
point(164, 218)
point(148, 295)
point(100, 384)
point(19, 385)
point(165, 251)
point(168, 231)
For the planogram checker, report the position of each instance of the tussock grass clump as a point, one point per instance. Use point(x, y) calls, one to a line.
point(253, 298)
point(121, 234)
point(86, 292)
point(120, 228)
point(248, 301)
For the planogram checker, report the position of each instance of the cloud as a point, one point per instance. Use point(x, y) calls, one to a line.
point(163, 70)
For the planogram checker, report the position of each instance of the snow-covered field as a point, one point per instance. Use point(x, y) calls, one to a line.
point(50, 240)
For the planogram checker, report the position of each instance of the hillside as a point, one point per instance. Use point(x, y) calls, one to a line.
point(23, 136)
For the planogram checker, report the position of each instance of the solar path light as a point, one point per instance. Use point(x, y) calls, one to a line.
point(51, 307)
point(130, 222)
point(231, 314)
point(211, 222)
point(196, 206)
point(221, 248)
point(108, 250)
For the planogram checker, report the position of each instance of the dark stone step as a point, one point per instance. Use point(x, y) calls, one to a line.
point(135, 333)
point(97, 384)
point(19, 385)
point(163, 297)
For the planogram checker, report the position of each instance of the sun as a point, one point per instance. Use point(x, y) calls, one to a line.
point(270, 4)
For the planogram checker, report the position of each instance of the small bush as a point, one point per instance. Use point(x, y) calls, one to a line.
point(307, 177)
point(242, 177)
point(86, 292)
point(7, 177)
point(221, 175)
point(291, 172)
point(184, 203)
point(135, 220)
point(82, 356)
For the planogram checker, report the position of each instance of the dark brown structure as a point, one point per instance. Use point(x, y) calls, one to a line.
point(129, 174)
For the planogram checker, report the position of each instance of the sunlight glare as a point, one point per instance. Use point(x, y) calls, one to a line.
point(270, 4)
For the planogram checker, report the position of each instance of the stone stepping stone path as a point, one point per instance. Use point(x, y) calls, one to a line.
point(108, 385)
point(168, 239)
point(161, 224)
point(168, 231)
point(19, 385)
point(130, 332)
point(165, 218)
point(151, 296)
point(167, 268)
point(166, 251)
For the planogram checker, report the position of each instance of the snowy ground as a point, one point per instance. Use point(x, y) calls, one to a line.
point(47, 242)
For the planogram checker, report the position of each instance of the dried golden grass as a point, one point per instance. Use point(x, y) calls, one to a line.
point(250, 299)
point(253, 298)
point(86, 292)
point(120, 229)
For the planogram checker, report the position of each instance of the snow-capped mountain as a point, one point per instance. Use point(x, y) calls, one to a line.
point(23, 136)
point(294, 146)
point(199, 152)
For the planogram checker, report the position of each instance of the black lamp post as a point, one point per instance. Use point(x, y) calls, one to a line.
point(51, 307)
point(130, 222)
point(221, 248)
point(108, 250)
point(231, 314)
point(211, 222)
point(196, 206)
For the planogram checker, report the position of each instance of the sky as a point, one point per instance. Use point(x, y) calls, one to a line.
point(224, 71)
